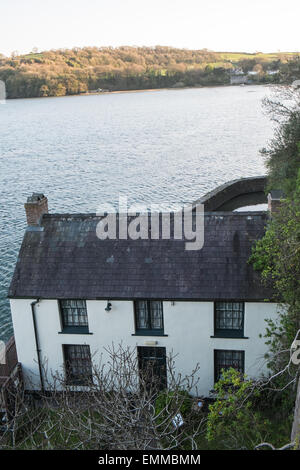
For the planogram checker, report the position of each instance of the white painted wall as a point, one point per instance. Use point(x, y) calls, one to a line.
point(189, 326)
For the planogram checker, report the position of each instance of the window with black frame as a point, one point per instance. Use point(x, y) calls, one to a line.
point(152, 367)
point(149, 317)
point(74, 316)
point(225, 359)
point(78, 364)
point(229, 319)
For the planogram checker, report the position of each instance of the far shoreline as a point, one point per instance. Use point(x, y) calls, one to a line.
point(140, 90)
point(146, 90)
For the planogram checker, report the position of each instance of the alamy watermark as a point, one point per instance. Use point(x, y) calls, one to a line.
point(2, 92)
point(295, 357)
point(296, 84)
point(2, 353)
point(140, 222)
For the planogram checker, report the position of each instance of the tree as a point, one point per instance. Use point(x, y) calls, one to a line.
point(295, 434)
point(127, 68)
point(60, 90)
point(259, 69)
point(277, 254)
point(232, 418)
point(282, 156)
point(44, 90)
point(121, 408)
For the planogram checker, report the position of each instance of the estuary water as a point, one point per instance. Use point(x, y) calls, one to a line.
point(165, 147)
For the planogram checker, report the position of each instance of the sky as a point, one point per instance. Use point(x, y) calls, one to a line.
point(220, 25)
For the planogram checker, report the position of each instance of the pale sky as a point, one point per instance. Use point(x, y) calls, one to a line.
point(220, 25)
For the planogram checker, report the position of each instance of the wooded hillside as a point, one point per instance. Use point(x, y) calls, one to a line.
point(66, 72)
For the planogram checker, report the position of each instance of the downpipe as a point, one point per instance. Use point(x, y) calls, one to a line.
point(37, 343)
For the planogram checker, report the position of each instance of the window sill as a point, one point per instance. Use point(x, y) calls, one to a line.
point(230, 337)
point(148, 333)
point(78, 383)
point(74, 331)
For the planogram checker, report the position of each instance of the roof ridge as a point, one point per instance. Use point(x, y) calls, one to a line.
point(206, 213)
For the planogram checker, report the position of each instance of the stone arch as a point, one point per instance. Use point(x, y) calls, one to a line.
point(234, 194)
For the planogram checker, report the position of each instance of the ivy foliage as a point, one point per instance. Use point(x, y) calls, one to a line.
point(277, 255)
point(282, 154)
point(233, 420)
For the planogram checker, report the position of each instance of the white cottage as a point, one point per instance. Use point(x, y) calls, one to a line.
point(73, 294)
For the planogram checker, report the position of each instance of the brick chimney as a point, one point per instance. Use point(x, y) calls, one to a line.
point(275, 198)
point(35, 207)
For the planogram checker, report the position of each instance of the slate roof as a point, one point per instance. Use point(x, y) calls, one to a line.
point(64, 259)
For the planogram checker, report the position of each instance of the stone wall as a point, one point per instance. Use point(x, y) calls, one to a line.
point(234, 194)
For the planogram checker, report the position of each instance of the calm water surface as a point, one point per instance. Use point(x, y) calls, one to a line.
point(165, 147)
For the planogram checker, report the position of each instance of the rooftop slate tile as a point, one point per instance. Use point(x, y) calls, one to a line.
point(67, 260)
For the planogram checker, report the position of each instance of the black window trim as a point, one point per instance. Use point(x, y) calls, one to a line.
point(227, 350)
point(148, 332)
point(75, 329)
point(67, 377)
point(229, 333)
point(141, 358)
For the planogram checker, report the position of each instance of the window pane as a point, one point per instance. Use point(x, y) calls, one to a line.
point(156, 313)
point(224, 359)
point(149, 315)
point(74, 312)
point(78, 363)
point(141, 314)
point(229, 315)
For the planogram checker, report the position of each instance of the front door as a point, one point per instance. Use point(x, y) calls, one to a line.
point(152, 367)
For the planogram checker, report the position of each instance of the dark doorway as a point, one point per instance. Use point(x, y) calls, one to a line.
point(152, 367)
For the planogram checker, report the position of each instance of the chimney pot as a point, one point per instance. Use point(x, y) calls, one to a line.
point(275, 198)
point(35, 207)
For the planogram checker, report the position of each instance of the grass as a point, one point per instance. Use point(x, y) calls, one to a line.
point(52, 432)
